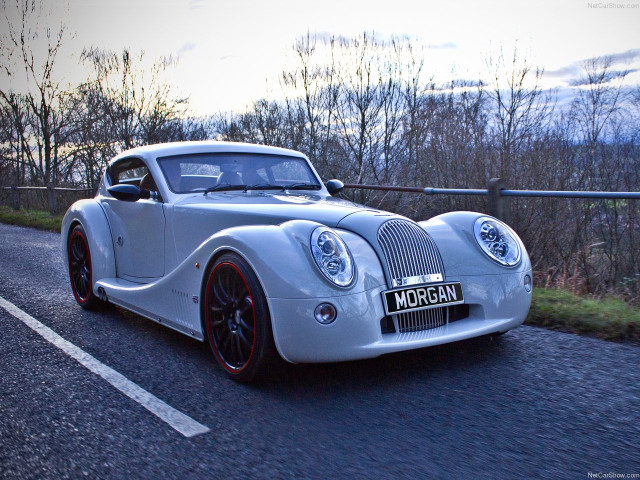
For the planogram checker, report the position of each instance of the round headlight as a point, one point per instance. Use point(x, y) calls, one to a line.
point(497, 240)
point(332, 256)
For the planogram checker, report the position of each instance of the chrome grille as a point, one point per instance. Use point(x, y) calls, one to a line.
point(422, 320)
point(412, 255)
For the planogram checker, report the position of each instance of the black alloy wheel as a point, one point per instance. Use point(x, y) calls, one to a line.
point(237, 319)
point(80, 268)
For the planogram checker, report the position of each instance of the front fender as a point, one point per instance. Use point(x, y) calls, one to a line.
point(91, 216)
point(280, 256)
point(461, 254)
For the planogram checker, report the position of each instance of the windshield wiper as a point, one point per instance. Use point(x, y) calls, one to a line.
point(303, 186)
point(224, 186)
point(263, 186)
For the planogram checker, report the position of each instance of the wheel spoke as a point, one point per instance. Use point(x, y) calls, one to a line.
point(223, 293)
point(247, 305)
point(216, 294)
point(245, 325)
point(242, 295)
point(239, 353)
point(244, 339)
point(227, 339)
point(218, 322)
point(233, 287)
point(77, 248)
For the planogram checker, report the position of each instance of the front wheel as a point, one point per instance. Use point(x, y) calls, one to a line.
point(237, 319)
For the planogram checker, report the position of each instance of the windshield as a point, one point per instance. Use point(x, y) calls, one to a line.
point(223, 171)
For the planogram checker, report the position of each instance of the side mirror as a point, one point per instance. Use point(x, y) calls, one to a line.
point(128, 193)
point(334, 186)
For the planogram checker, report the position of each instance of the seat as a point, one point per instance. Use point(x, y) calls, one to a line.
point(148, 183)
point(229, 178)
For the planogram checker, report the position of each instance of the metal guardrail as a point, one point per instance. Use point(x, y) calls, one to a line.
point(50, 191)
point(497, 192)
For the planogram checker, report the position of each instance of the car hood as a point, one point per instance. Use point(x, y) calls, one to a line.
point(196, 217)
point(258, 208)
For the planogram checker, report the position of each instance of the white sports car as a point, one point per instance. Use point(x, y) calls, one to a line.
point(244, 247)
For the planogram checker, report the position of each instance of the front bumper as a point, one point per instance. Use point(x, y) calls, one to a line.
point(497, 303)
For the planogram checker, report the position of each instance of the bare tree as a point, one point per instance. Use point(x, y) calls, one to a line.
point(140, 105)
point(37, 109)
point(359, 102)
point(520, 110)
point(600, 93)
point(311, 95)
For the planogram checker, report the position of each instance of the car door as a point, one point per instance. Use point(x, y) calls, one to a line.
point(137, 228)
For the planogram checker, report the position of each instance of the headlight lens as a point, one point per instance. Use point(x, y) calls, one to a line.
point(497, 240)
point(332, 256)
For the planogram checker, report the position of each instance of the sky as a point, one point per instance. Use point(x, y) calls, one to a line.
point(231, 52)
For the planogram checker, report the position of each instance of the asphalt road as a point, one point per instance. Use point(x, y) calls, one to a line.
point(531, 404)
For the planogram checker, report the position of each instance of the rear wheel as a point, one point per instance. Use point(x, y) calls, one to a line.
point(237, 319)
point(80, 273)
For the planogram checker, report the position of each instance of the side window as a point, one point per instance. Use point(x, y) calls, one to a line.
point(132, 171)
point(132, 175)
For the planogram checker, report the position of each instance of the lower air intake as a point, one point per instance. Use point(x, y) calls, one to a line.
point(422, 320)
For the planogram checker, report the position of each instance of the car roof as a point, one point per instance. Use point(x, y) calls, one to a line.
point(206, 146)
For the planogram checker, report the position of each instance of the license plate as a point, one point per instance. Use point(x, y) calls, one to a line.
point(421, 298)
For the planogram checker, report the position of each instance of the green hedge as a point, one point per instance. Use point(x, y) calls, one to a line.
point(608, 319)
point(30, 218)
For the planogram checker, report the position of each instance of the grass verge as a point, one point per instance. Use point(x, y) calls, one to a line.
point(31, 218)
point(608, 319)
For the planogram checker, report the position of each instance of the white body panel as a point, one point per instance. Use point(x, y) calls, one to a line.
point(152, 257)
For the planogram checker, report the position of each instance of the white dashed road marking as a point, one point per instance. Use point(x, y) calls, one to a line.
point(184, 424)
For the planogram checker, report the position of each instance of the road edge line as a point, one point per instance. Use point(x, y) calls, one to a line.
point(177, 420)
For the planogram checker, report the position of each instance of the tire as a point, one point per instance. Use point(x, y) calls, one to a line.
point(237, 320)
point(80, 273)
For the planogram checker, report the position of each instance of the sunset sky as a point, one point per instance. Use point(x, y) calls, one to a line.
point(231, 51)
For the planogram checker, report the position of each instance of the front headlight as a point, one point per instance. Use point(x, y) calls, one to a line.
point(332, 256)
point(497, 240)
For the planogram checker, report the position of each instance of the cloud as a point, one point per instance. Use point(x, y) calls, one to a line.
point(445, 45)
point(624, 57)
point(321, 37)
point(609, 76)
point(571, 70)
point(187, 47)
point(574, 72)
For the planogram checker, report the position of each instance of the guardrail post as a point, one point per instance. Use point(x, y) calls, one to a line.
point(498, 206)
point(15, 201)
point(51, 198)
